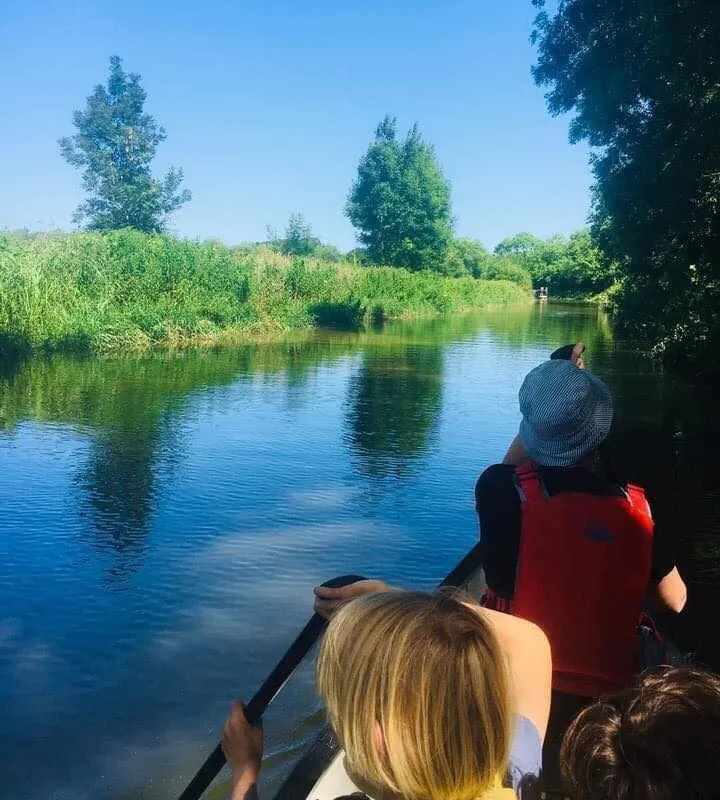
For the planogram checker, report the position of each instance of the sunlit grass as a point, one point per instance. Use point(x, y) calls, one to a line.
point(90, 292)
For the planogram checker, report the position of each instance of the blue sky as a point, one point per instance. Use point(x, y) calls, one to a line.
point(269, 105)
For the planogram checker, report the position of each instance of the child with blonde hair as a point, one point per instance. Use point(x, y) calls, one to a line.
point(431, 696)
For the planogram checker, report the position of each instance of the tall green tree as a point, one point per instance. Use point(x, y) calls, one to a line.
point(299, 239)
point(400, 201)
point(643, 80)
point(467, 257)
point(114, 145)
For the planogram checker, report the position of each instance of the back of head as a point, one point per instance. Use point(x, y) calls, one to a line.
point(427, 671)
point(567, 413)
point(659, 740)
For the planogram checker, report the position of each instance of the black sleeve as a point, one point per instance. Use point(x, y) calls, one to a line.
point(663, 554)
point(498, 507)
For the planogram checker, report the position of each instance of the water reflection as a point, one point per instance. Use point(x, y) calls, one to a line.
point(118, 484)
point(132, 411)
point(393, 403)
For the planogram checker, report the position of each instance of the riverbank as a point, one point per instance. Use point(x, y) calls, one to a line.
point(128, 291)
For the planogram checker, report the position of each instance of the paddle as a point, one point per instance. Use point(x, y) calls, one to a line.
point(267, 692)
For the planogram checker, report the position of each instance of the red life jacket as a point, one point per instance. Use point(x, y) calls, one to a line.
point(582, 576)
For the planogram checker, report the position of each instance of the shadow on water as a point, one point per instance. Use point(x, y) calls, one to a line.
point(130, 411)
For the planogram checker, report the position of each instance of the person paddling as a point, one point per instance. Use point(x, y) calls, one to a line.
point(563, 546)
point(431, 696)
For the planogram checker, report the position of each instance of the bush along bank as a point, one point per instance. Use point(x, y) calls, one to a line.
point(126, 290)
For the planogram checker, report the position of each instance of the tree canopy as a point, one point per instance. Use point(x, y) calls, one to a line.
point(569, 267)
point(114, 145)
point(400, 201)
point(643, 80)
point(299, 239)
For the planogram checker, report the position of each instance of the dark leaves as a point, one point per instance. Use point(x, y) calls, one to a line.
point(643, 80)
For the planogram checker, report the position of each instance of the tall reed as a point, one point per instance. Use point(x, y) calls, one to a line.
point(126, 290)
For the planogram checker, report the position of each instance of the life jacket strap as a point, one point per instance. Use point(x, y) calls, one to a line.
point(638, 500)
point(528, 483)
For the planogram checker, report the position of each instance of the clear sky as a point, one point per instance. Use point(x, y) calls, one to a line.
point(269, 105)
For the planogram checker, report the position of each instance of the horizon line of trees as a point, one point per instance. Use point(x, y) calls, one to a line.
point(570, 266)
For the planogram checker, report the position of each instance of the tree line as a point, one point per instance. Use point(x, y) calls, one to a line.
point(642, 78)
point(399, 203)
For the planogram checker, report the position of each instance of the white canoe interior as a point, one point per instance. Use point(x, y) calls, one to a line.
point(334, 782)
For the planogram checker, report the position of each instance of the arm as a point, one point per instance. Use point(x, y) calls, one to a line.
point(670, 594)
point(516, 454)
point(328, 600)
point(244, 789)
point(667, 593)
point(529, 660)
point(498, 508)
point(242, 744)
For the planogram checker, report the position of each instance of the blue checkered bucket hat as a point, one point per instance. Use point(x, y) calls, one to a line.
point(567, 413)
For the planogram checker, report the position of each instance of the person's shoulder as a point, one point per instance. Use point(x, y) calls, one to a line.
point(530, 661)
point(496, 474)
point(520, 634)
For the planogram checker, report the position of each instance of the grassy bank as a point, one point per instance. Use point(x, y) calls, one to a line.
point(87, 292)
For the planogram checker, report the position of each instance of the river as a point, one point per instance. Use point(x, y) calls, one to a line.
point(165, 518)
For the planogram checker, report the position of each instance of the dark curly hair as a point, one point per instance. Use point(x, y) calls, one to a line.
point(657, 740)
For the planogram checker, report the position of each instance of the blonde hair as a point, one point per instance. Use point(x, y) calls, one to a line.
point(428, 669)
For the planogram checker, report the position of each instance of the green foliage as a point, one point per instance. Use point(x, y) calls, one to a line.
point(469, 257)
point(299, 239)
point(571, 267)
point(400, 202)
point(522, 245)
point(328, 252)
point(359, 256)
point(114, 145)
point(129, 290)
point(642, 78)
point(501, 268)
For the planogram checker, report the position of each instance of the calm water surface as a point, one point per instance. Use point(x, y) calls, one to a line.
point(163, 521)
